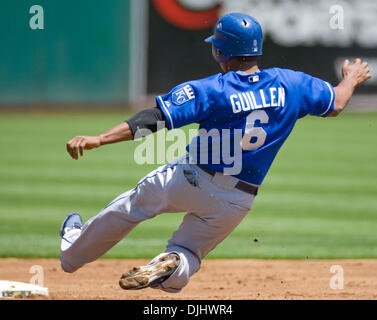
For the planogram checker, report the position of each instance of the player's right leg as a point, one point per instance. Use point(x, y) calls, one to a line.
point(98, 235)
point(215, 208)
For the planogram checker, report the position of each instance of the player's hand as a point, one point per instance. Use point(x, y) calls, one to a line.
point(358, 72)
point(77, 145)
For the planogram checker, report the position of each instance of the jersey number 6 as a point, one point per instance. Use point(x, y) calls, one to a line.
point(255, 134)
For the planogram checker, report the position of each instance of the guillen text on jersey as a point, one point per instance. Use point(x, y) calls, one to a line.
point(263, 98)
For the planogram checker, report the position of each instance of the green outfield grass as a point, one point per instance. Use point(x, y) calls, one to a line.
point(319, 199)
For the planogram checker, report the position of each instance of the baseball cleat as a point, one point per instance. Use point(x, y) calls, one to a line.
point(72, 221)
point(150, 275)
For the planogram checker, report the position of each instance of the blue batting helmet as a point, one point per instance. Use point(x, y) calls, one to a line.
point(236, 35)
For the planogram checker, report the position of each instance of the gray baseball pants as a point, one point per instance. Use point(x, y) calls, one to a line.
point(214, 208)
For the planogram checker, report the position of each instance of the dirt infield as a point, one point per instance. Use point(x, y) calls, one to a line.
point(217, 280)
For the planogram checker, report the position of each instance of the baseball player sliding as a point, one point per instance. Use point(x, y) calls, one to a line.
point(249, 111)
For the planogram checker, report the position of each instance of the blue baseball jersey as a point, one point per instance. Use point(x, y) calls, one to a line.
point(245, 118)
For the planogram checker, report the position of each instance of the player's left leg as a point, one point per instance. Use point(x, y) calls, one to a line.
point(149, 198)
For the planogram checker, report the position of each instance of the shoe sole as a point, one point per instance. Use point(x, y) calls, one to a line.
point(146, 276)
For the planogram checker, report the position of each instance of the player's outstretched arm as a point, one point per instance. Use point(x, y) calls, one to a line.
point(353, 76)
point(77, 145)
point(148, 120)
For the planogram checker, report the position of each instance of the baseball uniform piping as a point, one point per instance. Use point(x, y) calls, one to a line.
point(167, 112)
point(147, 177)
point(331, 99)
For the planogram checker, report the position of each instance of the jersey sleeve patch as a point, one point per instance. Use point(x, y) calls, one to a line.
point(183, 95)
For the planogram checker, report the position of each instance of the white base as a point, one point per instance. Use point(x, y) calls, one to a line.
point(11, 289)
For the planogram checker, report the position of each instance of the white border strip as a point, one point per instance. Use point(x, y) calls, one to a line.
point(167, 111)
point(332, 96)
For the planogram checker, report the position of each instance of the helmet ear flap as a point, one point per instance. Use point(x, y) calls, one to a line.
point(218, 55)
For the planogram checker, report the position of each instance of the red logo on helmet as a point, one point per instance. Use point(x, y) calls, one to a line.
point(180, 16)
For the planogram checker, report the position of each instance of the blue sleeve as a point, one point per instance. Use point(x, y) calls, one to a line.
point(187, 103)
point(317, 96)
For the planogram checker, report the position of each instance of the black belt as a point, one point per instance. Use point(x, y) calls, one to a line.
point(243, 186)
